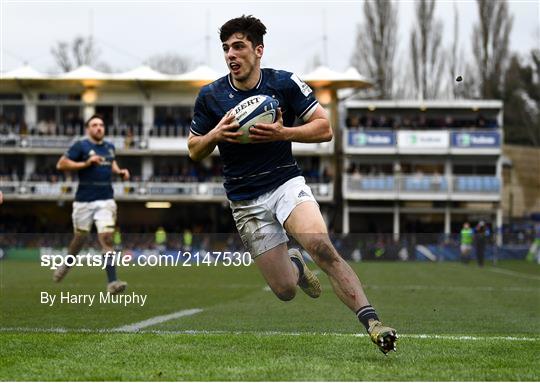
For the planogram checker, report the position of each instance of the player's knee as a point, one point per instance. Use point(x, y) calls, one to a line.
point(81, 232)
point(80, 235)
point(106, 239)
point(321, 249)
point(285, 293)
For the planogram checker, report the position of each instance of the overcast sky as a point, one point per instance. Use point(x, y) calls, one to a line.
point(127, 33)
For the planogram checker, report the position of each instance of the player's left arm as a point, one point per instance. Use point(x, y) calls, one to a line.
point(316, 129)
point(124, 173)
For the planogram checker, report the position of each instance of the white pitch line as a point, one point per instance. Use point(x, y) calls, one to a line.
point(63, 330)
point(134, 327)
point(513, 273)
point(455, 288)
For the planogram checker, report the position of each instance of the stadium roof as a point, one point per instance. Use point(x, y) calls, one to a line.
point(326, 77)
point(24, 72)
point(144, 73)
point(87, 76)
point(201, 73)
point(84, 73)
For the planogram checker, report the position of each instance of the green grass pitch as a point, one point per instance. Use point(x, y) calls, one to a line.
point(456, 322)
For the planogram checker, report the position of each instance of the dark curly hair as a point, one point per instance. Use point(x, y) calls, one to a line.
point(250, 26)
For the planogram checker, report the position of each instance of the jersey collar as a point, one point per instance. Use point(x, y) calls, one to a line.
point(249, 90)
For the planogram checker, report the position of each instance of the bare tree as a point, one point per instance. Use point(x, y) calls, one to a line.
point(455, 62)
point(376, 44)
point(427, 54)
point(170, 63)
point(491, 45)
point(81, 51)
point(522, 100)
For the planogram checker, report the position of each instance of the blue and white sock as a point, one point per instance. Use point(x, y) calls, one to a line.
point(365, 313)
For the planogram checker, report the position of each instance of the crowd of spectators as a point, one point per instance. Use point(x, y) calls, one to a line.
point(172, 125)
point(417, 121)
point(315, 175)
point(180, 171)
point(9, 173)
point(358, 169)
point(49, 127)
point(11, 123)
point(186, 172)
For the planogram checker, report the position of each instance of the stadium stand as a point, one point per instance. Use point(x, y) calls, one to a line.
point(408, 166)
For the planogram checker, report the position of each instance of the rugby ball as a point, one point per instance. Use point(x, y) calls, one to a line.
point(254, 110)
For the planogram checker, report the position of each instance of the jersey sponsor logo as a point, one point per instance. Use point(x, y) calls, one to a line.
point(304, 88)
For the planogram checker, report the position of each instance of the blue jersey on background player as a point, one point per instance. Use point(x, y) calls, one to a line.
point(94, 181)
point(270, 164)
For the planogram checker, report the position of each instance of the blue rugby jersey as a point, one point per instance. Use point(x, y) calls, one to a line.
point(95, 180)
point(254, 169)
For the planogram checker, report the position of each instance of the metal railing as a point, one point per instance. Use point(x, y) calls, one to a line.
point(65, 190)
point(422, 184)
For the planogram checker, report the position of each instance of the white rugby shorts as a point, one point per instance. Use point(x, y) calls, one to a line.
point(102, 212)
point(260, 221)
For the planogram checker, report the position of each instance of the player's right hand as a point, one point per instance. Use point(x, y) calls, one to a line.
point(94, 160)
point(227, 129)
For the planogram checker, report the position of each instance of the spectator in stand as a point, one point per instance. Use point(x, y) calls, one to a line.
point(353, 121)
point(128, 138)
point(480, 122)
point(42, 127)
point(73, 121)
point(326, 176)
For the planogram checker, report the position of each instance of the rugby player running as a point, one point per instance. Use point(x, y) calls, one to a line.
point(267, 194)
point(93, 159)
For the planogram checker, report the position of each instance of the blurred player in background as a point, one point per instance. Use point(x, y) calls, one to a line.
point(93, 159)
point(481, 238)
point(466, 239)
point(267, 194)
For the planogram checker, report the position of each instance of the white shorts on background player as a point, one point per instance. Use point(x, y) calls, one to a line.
point(260, 221)
point(102, 212)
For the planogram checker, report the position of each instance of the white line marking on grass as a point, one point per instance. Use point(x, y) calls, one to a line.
point(455, 288)
point(156, 320)
point(262, 333)
point(513, 273)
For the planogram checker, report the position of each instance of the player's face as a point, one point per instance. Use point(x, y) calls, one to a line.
point(242, 58)
point(96, 129)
